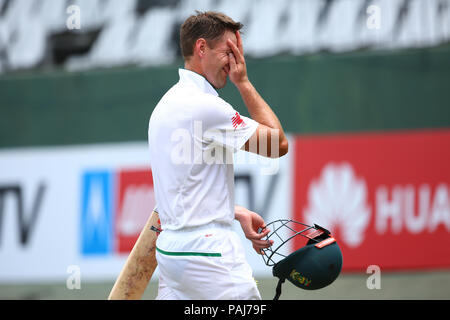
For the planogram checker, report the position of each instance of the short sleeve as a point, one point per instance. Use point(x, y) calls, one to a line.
point(224, 126)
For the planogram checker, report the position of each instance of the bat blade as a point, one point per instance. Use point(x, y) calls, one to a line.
point(140, 264)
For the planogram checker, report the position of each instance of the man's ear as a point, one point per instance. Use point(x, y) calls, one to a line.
point(200, 47)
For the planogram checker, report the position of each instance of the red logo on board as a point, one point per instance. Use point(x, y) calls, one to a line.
point(135, 202)
point(385, 197)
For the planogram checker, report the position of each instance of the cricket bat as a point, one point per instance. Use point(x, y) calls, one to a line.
point(140, 264)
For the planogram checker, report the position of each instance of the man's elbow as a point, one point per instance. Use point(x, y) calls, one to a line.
point(283, 149)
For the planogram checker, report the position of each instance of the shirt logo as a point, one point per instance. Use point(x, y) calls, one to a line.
point(237, 121)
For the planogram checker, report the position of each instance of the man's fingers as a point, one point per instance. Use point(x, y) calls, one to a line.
point(259, 243)
point(258, 250)
point(232, 60)
point(258, 246)
point(233, 48)
point(239, 42)
point(262, 243)
point(264, 233)
point(257, 236)
point(237, 53)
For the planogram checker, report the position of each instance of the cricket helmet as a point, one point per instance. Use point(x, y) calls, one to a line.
point(314, 266)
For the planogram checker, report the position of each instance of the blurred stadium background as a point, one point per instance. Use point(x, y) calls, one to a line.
point(361, 86)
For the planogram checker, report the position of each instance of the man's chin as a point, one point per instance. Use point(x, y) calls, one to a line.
point(221, 85)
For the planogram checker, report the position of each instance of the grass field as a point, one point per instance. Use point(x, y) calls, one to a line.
point(394, 285)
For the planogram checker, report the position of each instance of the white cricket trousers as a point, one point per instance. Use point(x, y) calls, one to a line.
point(203, 263)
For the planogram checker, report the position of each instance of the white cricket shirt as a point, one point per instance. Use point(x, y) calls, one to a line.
point(192, 136)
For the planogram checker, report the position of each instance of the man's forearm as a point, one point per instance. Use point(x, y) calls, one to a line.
point(270, 127)
point(259, 110)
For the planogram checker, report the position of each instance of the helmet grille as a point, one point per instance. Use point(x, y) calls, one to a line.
point(282, 231)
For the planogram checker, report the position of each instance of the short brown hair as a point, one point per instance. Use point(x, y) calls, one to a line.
point(209, 25)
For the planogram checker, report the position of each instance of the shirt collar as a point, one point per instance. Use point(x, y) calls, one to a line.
point(198, 80)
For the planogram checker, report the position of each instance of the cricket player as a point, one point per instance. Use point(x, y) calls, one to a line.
point(193, 134)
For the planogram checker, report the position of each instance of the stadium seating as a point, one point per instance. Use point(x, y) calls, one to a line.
point(34, 34)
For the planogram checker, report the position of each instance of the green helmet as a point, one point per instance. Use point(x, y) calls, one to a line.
point(314, 266)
